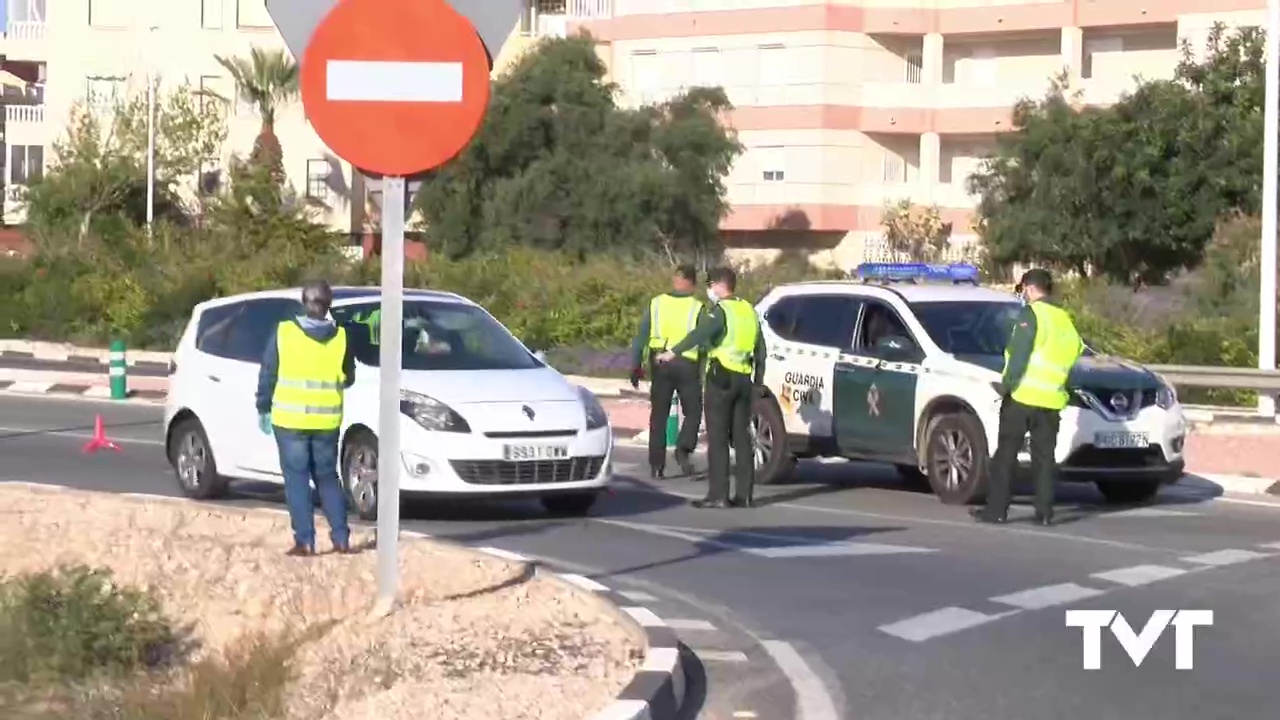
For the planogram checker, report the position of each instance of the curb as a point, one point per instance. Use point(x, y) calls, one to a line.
point(1238, 484)
point(655, 692)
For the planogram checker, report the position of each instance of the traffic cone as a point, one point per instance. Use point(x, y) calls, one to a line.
point(99, 441)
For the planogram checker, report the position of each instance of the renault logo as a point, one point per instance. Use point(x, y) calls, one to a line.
point(528, 412)
point(1120, 402)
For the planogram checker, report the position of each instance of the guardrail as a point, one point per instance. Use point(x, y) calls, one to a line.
point(1219, 377)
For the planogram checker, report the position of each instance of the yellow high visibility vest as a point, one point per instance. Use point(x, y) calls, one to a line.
point(1056, 348)
point(736, 351)
point(308, 393)
point(671, 319)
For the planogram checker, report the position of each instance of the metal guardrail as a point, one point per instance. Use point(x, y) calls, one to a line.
point(1219, 377)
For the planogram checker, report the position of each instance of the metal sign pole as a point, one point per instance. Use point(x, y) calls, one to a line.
point(392, 324)
point(1267, 264)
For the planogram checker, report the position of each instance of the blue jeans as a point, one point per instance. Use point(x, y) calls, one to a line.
point(307, 455)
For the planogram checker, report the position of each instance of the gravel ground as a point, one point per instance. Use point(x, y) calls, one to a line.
point(474, 638)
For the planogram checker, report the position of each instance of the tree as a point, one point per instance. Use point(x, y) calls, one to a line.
point(916, 233)
point(267, 79)
point(1132, 192)
point(97, 177)
point(558, 165)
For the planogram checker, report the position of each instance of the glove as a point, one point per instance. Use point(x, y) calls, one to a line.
point(264, 423)
point(636, 374)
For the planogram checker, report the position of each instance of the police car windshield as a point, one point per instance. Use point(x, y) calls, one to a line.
point(437, 336)
point(968, 328)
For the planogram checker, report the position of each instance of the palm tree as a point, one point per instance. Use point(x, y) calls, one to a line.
point(266, 80)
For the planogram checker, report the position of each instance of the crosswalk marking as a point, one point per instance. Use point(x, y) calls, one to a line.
point(689, 624)
point(583, 582)
point(1138, 574)
point(637, 596)
point(644, 616)
point(728, 656)
point(939, 622)
point(1224, 557)
point(1047, 596)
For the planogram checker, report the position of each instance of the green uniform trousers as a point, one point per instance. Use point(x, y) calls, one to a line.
point(1016, 421)
point(729, 398)
point(681, 377)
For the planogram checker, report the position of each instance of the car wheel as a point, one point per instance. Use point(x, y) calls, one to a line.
point(575, 505)
point(1128, 492)
point(193, 463)
point(956, 458)
point(360, 473)
point(773, 459)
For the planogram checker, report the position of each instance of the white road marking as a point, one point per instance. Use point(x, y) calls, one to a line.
point(637, 596)
point(939, 622)
point(1224, 557)
point(1147, 513)
point(399, 82)
point(812, 700)
point(836, 549)
point(1139, 574)
point(791, 545)
point(725, 656)
point(1047, 596)
point(746, 714)
point(504, 554)
point(1271, 546)
point(23, 386)
point(76, 435)
point(584, 582)
point(661, 659)
point(689, 624)
point(644, 616)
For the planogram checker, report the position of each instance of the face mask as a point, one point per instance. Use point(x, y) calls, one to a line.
point(712, 295)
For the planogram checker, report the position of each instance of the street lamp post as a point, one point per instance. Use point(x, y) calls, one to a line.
point(1271, 126)
point(151, 131)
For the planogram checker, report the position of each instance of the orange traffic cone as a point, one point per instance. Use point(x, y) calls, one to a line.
point(99, 441)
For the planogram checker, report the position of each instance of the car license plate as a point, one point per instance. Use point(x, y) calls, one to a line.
point(534, 452)
point(1121, 440)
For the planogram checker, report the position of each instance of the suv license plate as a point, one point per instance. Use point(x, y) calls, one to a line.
point(534, 452)
point(1121, 440)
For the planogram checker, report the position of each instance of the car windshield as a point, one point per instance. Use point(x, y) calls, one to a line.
point(968, 328)
point(437, 336)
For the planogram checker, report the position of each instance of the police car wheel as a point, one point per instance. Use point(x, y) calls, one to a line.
point(956, 458)
point(1128, 492)
point(773, 459)
point(360, 472)
point(193, 463)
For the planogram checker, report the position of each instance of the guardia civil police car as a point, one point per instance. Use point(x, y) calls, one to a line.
point(897, 366)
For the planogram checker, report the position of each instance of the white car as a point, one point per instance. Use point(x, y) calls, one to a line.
point(480, 415)
point(901, 373)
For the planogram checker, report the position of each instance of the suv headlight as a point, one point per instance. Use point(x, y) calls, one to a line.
point(431, 414)
point(596, 416)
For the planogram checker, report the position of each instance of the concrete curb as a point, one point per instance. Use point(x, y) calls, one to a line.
point(1238, 484)
point(656, 691)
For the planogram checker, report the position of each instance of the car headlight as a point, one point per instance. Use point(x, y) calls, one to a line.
point(1166, 397)
point(431, 414)
point(596, 416)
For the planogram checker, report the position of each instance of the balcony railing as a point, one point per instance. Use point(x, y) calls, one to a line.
point(552, 18)
point(15, 114)
point(24, 30)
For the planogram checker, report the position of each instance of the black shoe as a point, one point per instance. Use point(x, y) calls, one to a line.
point(686, 465)
point(743, 503)
point(981, 515)
point(710, 504)
point(1043, 520)
point(657, 473)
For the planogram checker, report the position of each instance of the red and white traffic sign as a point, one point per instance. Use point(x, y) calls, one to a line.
point(395, 87)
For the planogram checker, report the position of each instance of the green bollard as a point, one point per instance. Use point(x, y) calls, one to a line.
point(119, 380)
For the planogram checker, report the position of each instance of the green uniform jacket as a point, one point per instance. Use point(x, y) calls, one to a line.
point(708, 334)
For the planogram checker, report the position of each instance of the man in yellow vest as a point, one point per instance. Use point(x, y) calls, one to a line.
point(1042, 349)
point(730, 332)
point(305, 369)
point(667, 320)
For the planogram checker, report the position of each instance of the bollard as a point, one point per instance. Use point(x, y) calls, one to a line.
point(117, 369)
point(673, 425)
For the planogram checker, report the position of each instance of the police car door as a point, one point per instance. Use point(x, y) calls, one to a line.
point(823, 326)
point(876, 387)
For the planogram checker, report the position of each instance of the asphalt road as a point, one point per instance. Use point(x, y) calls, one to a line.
point(847, 596)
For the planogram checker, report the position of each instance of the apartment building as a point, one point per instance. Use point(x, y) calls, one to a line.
point(841, 104)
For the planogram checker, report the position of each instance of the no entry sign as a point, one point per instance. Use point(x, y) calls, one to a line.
point(395, 87)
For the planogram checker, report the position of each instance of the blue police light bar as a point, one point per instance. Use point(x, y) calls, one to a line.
point(914, 272)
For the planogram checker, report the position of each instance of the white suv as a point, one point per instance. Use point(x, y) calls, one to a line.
point(481, 416)
point(901, 373)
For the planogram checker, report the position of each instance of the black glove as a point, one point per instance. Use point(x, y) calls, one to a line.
point(636, 374)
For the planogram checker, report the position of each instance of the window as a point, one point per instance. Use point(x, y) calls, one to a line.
point(252, 14)
point(27, 11)
point(26, 164)
point(318, 172)
point(212, 330)
point(968, 328)
point(437, 336)
point(645, 75)
point(781, 317)
point(211, 14)
point(772, 162)
point(708, 67)
point(104, 92)
point(895, 168)
point(826, 320)
point(773, 66)
point(915, 68)
point(213, 94)
point(1096, 46)
point(248, 334)
point(879, 321)
point(110, 13)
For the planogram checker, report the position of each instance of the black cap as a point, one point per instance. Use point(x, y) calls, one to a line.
point(1036, 278)
point(687, 272)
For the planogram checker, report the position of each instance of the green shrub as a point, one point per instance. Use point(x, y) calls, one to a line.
point(75, 622)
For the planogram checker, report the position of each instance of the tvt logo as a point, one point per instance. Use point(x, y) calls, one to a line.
point(1138, 645)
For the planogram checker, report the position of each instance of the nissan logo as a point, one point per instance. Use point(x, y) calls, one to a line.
point(1120, 402)
point(528, 412)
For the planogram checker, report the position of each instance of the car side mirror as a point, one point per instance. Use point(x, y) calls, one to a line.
point(540, 356)
point(895, 347)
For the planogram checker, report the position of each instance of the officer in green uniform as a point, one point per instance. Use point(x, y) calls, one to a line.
point(667, 320)
point(1042, 349)
point(730, 332)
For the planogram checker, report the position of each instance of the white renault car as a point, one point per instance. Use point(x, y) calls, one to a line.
point(480, 415)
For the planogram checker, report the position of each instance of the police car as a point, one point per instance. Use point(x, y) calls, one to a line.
point(897, 366)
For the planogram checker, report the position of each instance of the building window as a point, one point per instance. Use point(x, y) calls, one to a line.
point(27, 11)
point(211, 14)
point(772, 162)
point(26, 164)
point(915, 68)
point(708, 67)
point(109, 13)
point(1095, 46)
point(318, 180)
point(104, 92)
point(773, 66)
point(645, 75)
point(212, 94)
point(895, 168)
point(252, 14)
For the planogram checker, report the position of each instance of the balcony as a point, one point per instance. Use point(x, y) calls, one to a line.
point(23, 115)
point(24, 40)
point(554, 18)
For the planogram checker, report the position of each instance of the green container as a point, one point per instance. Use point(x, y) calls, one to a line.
point(673, 425)
point(117, 367)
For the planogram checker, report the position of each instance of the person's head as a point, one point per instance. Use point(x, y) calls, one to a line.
point(1036, 284)
point(317, 298)
point(684, 279)
point(721, 283)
